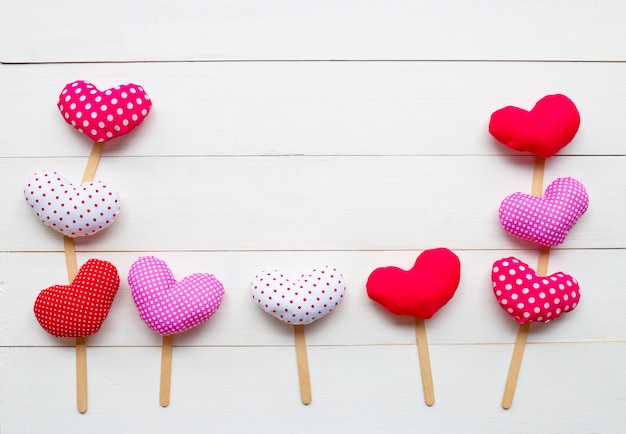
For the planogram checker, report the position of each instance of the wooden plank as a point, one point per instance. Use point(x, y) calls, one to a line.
point(313, 108)
point(66, 31)
point(314, 203)
point(472, 316)
point(215, 386)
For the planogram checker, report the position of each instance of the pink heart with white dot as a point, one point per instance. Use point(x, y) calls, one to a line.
point(168, 306)
point(526, 296)
point(103, 115)
point(545, 220)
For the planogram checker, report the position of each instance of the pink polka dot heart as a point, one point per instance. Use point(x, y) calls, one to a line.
point(527, 297)
point(167, 306)
point(545, 220)
point(74, 211)
point(301, 301)
point(103, 115)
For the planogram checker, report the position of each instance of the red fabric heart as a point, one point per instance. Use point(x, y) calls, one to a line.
point(548, 127)
point(527, 297)
point(420, 291)
point(78, 309)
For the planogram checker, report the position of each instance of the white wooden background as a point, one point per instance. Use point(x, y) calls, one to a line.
point(292, 133)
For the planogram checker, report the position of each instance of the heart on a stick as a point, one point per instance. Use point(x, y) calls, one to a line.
point(301, 301)
point(545, 220)
point(103, 115)
point(80, 308)
point(420, 291)
point(527, 297)
point(168, 306)
point(74, 211)
point(547, 128)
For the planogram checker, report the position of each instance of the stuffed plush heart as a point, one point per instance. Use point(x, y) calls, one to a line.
point(74, 211)
point(526, 297)
point(300, 301)
point(547, 220)
point(420, 291)
point(103, 115)
point(168, 306)
point(78, 309)
point(543, 131)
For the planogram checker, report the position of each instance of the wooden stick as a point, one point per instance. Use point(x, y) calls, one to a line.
point(303, 364)
point(542, 270)
point(166, 370)
point(81, 344)
point(516, 363)
point(424, 359)
point(81, 375)
point(71, 263)
point(92, 163)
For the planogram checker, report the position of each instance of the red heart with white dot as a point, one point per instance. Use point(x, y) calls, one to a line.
point(80, 308)
point(74, 211)
point(302, 301)
point(526, 296)
point(103, 115)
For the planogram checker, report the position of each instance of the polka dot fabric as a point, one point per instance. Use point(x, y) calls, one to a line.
point(73, 211)
point(79, 309)
point(527, 297)
point(103, 115)
point(168, 306)
point(311, 297)
point(545, 221)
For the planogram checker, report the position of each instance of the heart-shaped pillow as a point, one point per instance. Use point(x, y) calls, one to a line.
point(420, 291)
point(548, 127)
point(168, 306)
point(302, 301)
point(545, 220)
point(103, 115)
point(526, 297)
point(70, 210)
point(79, 309)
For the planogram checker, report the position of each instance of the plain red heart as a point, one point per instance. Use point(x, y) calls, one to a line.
point(547, 128)
point(420, 291)
point(80, 308)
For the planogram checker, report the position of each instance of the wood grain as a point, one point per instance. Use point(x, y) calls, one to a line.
point(189, 30)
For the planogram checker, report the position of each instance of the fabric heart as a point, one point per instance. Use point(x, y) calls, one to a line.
point(80, 308)
point(526, 297)
point(547, 220)
point(70, 210)
point(300, 301)
point(168, 306)
point(103, 115)
point(420, 291)
point(548, 127)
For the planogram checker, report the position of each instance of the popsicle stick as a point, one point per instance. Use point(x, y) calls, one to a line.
point(71, 263)
point(424, 359)
point(542, 270)
point(92, 162)
point(303, 364)
point(166, 370)
point(81, 375)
